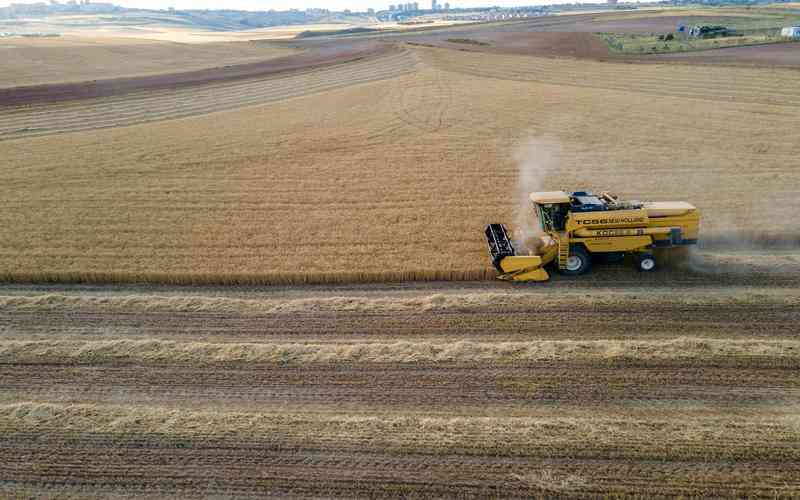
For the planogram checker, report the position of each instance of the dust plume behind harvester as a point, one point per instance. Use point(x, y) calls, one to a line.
point(581, 225)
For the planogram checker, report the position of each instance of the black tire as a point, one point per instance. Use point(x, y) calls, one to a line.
point(646, 262)
point(579, 262)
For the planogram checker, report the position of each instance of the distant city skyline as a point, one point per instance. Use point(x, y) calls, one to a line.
point(261, 5)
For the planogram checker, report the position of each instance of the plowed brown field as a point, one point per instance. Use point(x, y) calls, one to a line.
point(678, 388)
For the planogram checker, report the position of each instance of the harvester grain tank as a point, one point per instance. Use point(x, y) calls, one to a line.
point(580, 225)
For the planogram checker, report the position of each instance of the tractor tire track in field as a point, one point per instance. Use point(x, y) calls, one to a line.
point(689, 423)
point(145, 107)
point(189, 468)
point(331, 327)
point(445, 388)
point(415, 102)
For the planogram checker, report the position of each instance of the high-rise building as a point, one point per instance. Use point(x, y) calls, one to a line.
point(447, 6)
point(434, 5)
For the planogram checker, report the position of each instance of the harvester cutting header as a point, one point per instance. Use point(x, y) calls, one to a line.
point(578, 225)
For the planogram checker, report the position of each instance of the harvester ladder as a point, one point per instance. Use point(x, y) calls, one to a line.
point(563, 250)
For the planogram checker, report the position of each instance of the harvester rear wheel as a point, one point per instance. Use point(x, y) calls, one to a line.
point(645, 262)
point(578, 262)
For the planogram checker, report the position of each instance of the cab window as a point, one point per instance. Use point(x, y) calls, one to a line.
point(553, 216)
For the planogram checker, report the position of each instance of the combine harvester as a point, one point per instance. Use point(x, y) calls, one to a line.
point(576, 226)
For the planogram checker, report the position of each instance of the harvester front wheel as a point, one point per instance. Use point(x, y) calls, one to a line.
point(645, 262)
point(578, 262)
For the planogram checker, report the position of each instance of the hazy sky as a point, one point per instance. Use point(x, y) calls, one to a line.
point(302, 4)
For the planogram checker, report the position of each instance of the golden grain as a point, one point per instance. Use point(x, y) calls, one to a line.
point(513, 300)
point(671, 436)
point(682, 349)
point(392, 180)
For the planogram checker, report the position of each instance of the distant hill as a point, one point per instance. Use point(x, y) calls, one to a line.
point(217, 20)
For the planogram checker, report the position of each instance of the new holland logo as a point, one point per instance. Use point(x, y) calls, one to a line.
point(620, 220)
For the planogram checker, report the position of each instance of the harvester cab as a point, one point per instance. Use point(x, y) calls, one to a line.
point(579, 226)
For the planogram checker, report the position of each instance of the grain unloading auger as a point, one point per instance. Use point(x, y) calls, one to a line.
point(580, 225)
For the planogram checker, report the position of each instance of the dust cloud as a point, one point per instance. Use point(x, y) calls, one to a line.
point(739, 245)
point(537, 158)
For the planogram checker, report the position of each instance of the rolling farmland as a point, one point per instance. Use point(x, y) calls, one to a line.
point(144, 107)
point(447, 137)
point(33, 61)
point(270, 278)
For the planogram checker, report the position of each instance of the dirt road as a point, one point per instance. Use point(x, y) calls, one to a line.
point(588, 388)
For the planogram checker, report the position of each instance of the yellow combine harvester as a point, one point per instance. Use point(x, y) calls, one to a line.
point(576, 226)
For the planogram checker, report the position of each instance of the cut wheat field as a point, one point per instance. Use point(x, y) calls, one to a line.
point(383, 168)
point(446, 390)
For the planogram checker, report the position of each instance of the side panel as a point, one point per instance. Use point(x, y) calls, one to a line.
point(689, 224)
point(615, 244)
point(607, 219)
